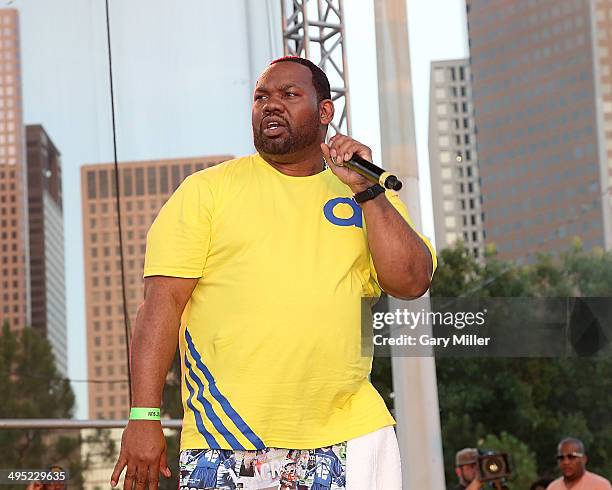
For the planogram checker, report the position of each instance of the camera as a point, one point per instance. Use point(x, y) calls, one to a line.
point(493, 468)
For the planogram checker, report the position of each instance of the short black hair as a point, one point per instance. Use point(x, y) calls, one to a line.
point(319, 78)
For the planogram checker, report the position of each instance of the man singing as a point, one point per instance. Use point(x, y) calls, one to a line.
point(258, 268)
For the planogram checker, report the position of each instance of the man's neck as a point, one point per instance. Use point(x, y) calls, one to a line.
point(302, 163)
point(574, 482)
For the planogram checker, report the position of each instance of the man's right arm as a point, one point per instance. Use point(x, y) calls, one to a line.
point(143, 445)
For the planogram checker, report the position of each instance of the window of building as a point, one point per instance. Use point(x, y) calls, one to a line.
point(176, 176)
point(140, 182)
point(151, 180)
point(103, 176)
point(91, 185)
point(127, 182)
point(439, 75)
point(163, 180)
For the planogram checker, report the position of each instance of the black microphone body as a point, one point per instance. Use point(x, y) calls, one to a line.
point(373, 173)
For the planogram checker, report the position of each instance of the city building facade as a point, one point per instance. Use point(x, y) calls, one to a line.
point(144, 187)
point(453, 158)
point(543, 112)
point(46, 236)
point(14, 242)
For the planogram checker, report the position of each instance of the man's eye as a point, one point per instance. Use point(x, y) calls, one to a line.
point(259, 97)
point(291, 94)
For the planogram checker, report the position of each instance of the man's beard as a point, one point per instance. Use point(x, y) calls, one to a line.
point(291, 142)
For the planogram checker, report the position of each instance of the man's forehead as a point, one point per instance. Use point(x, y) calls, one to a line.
point(285, 73)
point(570, 446)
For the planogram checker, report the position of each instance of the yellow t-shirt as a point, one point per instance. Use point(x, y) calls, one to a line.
point(271, 338)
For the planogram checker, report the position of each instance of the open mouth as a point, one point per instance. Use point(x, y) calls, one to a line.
point(273, 128)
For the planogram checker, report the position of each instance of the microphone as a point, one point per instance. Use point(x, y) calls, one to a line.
point(373, 173)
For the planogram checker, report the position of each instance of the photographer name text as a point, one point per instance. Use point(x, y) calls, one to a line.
point(430, 341)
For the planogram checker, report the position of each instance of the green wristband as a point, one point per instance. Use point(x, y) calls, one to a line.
point(139, 413)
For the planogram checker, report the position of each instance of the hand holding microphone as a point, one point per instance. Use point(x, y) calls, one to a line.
point(352, 164)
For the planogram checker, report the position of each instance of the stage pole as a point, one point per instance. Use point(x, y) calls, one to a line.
point(414, 379)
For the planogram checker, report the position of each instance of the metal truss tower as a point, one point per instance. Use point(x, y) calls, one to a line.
point(314, 29)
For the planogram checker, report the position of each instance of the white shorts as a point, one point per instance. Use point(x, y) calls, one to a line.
point(373, 461)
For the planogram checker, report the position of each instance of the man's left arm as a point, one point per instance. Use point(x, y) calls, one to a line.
point(403, 262)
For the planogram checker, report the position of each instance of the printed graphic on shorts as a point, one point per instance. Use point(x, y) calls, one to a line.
point(267, 469)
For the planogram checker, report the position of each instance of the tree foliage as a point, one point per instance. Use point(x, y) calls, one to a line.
point(32, 387)
point(532, 402)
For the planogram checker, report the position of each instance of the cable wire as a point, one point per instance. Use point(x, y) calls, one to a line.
point(70, 380)
point(126, 320)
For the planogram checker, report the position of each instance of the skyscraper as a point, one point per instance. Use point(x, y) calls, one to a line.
point(14, 243)
point(453, 159)
point(543, 112)
point(144, 188)
point(46, 232)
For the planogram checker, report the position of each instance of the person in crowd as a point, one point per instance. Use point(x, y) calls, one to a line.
point(466, 468)
point(572, 459)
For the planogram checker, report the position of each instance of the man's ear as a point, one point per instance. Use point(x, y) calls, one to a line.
point(326, 112)
point(458, 473)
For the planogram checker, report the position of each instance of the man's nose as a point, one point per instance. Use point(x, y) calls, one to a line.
point(273, 104)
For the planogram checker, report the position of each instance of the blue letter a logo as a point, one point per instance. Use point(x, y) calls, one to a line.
point(355, 220)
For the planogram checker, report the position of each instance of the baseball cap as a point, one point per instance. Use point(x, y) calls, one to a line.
point(467, 455)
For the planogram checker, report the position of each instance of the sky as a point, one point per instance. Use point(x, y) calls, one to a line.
point(162, 109)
